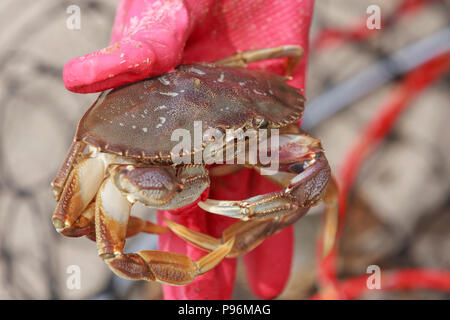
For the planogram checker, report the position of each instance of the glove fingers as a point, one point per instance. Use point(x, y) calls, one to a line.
point(115, 65)
point(148, 40)
point(268, 266)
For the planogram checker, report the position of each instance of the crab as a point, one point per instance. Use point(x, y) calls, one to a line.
point(123, 153)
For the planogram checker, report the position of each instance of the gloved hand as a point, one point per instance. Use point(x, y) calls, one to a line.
point(148, 38)
point(153, 37)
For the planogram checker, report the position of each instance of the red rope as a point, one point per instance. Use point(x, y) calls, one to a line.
point(404, 279)
point(373, 134)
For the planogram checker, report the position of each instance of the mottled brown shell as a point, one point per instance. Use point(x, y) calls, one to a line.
point(137, 120)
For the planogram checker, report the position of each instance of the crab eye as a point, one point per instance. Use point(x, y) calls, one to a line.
point(298, 167)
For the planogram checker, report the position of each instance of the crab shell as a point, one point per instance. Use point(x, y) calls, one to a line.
point(137, 120)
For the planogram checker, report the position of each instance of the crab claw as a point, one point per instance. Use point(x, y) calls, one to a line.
point(305, 188)
point(255, 207)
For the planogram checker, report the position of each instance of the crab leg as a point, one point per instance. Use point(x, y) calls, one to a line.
point(111, 220)
point(159, 187)
point(79, 190)
point(76, 185)
point(241, 59)
point(112, 211)
point(331, 217)
point(58, 183)
point(85, 225)
point(137, 225)
point(166, 267)
point(303, 173)
point(247, 235)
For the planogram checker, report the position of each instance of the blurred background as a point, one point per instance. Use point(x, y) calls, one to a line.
point(398, 212)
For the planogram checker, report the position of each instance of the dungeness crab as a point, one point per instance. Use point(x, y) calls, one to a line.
point(123, 152)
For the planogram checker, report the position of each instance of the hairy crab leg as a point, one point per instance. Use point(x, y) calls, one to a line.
point(293, 53)
point(111, 218)
point(303, 173)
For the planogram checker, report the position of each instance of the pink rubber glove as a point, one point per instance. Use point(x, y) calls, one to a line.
point(152, 37)
point(148, 39)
